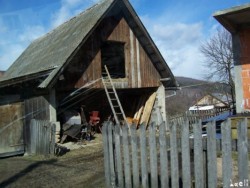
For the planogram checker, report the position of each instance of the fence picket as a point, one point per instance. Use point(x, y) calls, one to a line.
point(111, 154)
point(153, 156)
point(163, 156)
point(52, 138)
point(226, 153)
point(120, 182)
point(185, 149)
point(126, 157)
point(144, 159)
point(198, 157)
point(242, 150)
point(134, 156)
point(211, 155)
point(118, 162)
point(106, 153)
point(174, 157)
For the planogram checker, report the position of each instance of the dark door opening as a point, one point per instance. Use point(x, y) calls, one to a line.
point(112, 54)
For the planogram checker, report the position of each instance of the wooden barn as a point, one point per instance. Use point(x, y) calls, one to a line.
point(64, 70)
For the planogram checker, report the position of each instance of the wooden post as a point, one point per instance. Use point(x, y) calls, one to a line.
point(106, 153)
point(52, 105)
point(226, 153)
point(52, 138)
point(242, 150)
point(211, 155)
point(148, 109)
point(174, 157)
point(126, 157)
point(111, 154)
point(144, 159)
point(185, 149)
point(135, 168)
point(153, 156)
point(118, 156)
point(198, 157)
point(163, 156)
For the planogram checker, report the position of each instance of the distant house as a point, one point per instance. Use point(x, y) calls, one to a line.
point(237, 20)
point(63, 70)
point(211, 105)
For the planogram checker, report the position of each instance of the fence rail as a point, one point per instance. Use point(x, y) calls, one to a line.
point(160, 158)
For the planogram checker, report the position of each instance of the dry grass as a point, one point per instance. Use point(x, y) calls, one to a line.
point(78, 168)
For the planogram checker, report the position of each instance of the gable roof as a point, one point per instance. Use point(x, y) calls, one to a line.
point(217, 99)
point(49, 54)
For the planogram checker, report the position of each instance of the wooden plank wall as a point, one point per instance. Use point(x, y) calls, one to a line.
point(11, 129)
point(34, 108)
point(140, 71)
point(184, 161)
point(42, 134)
point(37, 108)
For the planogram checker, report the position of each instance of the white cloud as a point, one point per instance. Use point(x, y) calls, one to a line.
point(12, 49)
point(179, 44)
point(14, 42)
point(10, 54)
point(31, 33)
point(3, 28)
point(68, 9)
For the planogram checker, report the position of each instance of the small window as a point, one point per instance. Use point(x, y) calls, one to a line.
point(112, 54)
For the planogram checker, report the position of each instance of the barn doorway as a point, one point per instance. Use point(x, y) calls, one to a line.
point(112, 54)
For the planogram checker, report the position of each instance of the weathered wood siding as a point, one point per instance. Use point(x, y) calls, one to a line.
point(37, 108)
point(140, 71)
point(172, 159)
point(42, 134)
point(11, 129)
point(34, 108)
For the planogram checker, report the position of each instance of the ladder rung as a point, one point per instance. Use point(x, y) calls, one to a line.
point(111, 94)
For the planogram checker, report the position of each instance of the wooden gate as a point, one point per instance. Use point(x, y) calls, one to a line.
point(182, 157)
point(11, 129)
point(42, 137)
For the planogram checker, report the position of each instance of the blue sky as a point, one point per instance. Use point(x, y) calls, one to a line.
point(178, 27)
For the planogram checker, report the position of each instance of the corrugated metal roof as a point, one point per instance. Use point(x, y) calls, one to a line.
point(221, 117)
point(54, 48)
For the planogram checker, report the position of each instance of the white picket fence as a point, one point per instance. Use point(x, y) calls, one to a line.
point(159, 158)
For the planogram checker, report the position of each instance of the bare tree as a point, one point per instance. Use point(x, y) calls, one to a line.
point(218, 52)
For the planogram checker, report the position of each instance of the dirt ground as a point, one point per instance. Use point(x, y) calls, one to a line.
point(77, 168)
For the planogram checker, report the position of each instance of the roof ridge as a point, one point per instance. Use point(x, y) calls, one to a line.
point(69, 20)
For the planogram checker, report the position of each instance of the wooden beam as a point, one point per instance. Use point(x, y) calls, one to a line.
point(148, 109)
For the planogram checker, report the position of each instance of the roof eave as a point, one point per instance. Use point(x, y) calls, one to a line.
point(18, 80)
point(161, 60)
point(222, 16)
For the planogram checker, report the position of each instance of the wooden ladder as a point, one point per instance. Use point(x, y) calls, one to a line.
point(113, 99)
